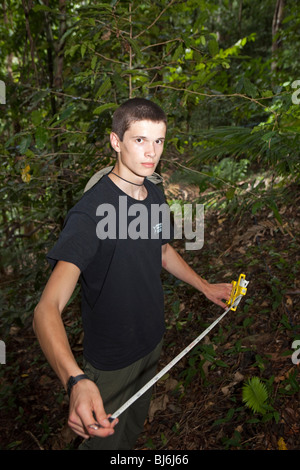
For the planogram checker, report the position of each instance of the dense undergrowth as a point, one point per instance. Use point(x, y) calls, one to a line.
point(199, 404)
point(233, 111)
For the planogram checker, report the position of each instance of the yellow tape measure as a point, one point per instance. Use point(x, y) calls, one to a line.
point(238, 289)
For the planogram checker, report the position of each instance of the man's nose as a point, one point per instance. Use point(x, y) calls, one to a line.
point(150, 151)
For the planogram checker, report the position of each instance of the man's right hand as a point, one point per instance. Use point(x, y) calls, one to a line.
point(85, 398)
point(85, 405)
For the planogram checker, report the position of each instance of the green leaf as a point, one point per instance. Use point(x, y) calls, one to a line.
point(203, 40)
point(256, 206)
point(220, 363)
point(178, 53)
point(36, 117)
point(250, 89)
point(272, 204)
point(135, 48)
point(213, 47)
point(43, 8)
point(93, 63)
point(230, 194)
point(99, 6)
point(41, 137)
point(226, 419)
point(25, 144)
point(105, 107)
point(255, 395)
point(239, 85)
point(104, 88)
point(120, 83)
point(82, 50)
point(71, 51)
point(67, 112)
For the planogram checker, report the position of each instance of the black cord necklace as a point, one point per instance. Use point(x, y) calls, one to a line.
point(136, 184)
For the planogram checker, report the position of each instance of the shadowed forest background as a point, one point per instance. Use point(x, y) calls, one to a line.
point(227, 73)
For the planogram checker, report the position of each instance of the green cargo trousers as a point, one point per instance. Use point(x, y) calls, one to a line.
point(116, 387)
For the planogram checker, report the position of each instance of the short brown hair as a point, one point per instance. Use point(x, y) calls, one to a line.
point(136, 109)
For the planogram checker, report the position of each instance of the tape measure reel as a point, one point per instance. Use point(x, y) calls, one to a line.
point(238, 289)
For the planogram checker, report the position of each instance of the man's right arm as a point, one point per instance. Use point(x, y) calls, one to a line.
point(50, 331)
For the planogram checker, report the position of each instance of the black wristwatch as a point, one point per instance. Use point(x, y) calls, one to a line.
point(73, 380)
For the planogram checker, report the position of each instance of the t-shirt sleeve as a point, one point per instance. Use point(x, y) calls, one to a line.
point(77, 242)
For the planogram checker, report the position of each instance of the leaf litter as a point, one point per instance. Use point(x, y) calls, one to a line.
point(198, 406)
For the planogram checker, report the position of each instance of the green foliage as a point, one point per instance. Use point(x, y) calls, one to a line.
point(233, 131)
point(77, 63)
point(255, 395)
point(233, 128)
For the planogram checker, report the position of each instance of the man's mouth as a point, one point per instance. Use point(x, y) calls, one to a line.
point(148, 165)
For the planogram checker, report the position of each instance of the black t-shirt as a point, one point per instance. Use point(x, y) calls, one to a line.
point(122, 295)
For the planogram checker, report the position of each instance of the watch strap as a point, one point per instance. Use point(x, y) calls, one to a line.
point(73, 380)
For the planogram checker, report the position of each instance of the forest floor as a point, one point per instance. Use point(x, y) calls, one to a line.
point(198, 405)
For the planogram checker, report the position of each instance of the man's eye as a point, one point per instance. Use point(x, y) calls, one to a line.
point(159, 141)
point(139, 140)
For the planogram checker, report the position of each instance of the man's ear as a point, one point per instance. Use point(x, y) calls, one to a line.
point(115, 142)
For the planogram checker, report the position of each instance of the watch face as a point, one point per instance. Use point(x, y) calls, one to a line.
point(73, 380)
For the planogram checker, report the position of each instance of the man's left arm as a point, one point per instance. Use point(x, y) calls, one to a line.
point(175, 264)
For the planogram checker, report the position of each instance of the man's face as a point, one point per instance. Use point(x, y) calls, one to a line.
point(141, 148)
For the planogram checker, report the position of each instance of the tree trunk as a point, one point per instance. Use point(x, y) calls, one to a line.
point(55, 54)
point(58, 79)
point(240, 18)
point(276, 25)
point(27, 8)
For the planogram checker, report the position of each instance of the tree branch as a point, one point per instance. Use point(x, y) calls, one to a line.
point(238, 95)
point(155, 21)
point(26, 12)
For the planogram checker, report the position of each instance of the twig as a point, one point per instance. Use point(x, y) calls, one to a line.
point(161, 43)
point(61, 94)
point(156, 19)
point(238, 95)
point(35, 440)
point(106, 58)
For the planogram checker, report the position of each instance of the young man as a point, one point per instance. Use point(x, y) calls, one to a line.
point(122, 298)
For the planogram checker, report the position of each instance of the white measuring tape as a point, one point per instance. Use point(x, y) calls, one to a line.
point(238, 290)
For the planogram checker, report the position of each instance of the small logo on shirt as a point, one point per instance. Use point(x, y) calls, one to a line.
point(157, 228)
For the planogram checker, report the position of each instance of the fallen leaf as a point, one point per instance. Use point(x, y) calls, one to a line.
point(45, 380)
point(279, 378)
point(289, 301)
point(158, 404)
point(62, 439)
point(170, 384)
point(281, 444)
point(238, 377)
point(225, 390)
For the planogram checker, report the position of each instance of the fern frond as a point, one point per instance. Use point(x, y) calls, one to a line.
point(274, 148)
point(255, 395)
